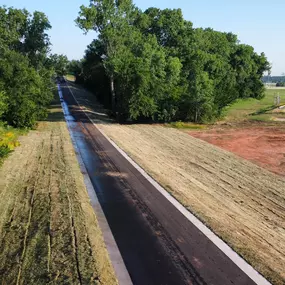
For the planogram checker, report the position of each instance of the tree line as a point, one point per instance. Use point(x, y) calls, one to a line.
point(154, 65)
point(27, 67)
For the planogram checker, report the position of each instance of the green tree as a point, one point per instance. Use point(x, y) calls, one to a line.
point(75, 67)
point(13, 25)
point(159, 67)
point(110, 19)
point(37, 44)
point(25, 79)
point(3, 103)
point(60, 63)
point(94, 75)
point(26, 91)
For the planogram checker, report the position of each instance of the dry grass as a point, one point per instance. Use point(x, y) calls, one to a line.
point(48, 231)
point(243, 203)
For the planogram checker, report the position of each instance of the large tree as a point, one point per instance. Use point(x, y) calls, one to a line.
point(25, 78)
point(160, 67)
point(110, 19)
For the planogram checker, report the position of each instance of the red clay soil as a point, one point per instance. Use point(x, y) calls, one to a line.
point(264, 146)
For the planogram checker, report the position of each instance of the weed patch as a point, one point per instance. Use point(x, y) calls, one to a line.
point(8, 140)
point(4, 151)
point(184, 125)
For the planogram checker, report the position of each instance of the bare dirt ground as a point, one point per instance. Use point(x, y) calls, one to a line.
point(48, 231)
point(261, 144)
point(243, 203)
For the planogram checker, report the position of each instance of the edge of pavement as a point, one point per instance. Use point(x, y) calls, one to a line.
point(227, 250)
point(117, 261)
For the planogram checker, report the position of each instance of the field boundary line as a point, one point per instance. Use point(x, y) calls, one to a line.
point(227, 250)
point(117, 262)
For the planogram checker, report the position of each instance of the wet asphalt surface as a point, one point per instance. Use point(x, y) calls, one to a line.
point(158, 244)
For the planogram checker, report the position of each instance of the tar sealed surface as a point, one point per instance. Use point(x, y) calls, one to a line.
point(157, 243)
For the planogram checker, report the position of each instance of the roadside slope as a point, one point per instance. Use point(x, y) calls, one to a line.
point(48, 230)
point(243, 203)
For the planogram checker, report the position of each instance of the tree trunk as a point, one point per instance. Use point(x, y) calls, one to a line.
point(113, 94)
point(196, 115)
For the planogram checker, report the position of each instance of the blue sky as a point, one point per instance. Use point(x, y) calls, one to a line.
point(258, 23)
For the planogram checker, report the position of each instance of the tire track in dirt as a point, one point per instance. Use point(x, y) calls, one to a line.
point(72, 222)
point(20, 214)
point(5, 204)
point(37, 248)
point(51, 157)
point(74, 238)
point(31, 202)
point(61, 231)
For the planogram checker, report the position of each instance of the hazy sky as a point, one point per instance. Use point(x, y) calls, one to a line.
point(259, 23)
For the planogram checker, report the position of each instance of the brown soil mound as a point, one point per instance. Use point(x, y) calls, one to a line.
point(264, 146)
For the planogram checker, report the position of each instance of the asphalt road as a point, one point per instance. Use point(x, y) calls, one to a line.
point(157, 243)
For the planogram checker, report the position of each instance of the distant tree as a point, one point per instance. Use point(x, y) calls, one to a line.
point(280, 84)
point(94, 74)
point(60, 63)
point(75, 67)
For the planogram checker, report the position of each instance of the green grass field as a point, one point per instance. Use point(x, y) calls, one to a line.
point(255, 110)
point(70, 77)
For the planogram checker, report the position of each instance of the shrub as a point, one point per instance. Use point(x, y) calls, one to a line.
point(280, 84)
point(3, 103)
point(4, 151)
point(27, 91)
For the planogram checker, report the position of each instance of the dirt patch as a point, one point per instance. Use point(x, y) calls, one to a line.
point(48, 231)
point(262, 145)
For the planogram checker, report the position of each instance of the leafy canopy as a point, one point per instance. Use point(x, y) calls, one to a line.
point(25, 76)
point(155, 65)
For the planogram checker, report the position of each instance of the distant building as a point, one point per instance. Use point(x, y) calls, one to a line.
point(273, 79)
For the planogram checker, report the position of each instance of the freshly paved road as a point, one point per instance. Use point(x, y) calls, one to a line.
point(157, 243)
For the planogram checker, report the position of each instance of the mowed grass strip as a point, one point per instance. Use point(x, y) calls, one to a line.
point(241, 202)
point(48, 231)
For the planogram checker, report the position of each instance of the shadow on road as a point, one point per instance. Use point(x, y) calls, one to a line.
point(89, 105)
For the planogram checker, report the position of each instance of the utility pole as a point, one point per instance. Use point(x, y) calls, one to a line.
point(268, 77)
point(277, 99)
